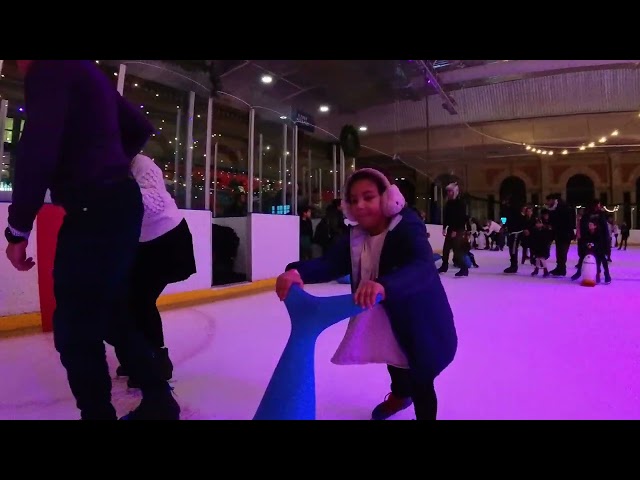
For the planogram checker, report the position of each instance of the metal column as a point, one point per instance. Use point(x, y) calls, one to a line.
point(294, 195)
point(252, 123)
point(207, 153)
point(122, 73)
point(176, 163)
point(284, 167)
point(310, 179)
point(320, 187)
point(342, 172)
point(335, 171)
point(189, 167)
point(215, 178)
point(260, 155)
point(4, 106)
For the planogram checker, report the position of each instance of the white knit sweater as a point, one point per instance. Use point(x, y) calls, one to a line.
point(161, 213)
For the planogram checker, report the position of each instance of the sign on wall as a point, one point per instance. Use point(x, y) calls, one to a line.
point(305, 121)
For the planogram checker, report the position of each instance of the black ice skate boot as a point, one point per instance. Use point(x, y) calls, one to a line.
point(390, 407)
point(156, 406)
point(165, 365)
point(514, 265)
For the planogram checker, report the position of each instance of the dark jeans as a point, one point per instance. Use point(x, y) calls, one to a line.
point(145, 293)
point(456, 244)
point(92, 279)
point(562, 250)
point(513, 243)
point(422, 393)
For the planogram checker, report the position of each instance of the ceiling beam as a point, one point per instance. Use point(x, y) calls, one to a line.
point(448, 103)
point(508, 68)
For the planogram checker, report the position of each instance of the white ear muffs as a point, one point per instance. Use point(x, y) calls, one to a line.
point(392, 199)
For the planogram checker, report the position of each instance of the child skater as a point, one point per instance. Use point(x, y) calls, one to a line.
point(540, 239)
point(165, 255)
point(598, 242)
point(387, 254)
point(466, 248)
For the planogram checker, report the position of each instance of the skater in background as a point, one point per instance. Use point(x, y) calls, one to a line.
point(529, 225)
point(388, 255)
point(72, 145)
point(331, 227)
point(594, 209)
point(467, 253)
point(624, 235)
point(306, 233)
point(563, 230)
point(593, 214)
point(515, 226)
point(615, 231)
point(453, 228)
point(540, 240)
point(165, 256)
point(598, 242)
point(492, 231)
point(612, 230)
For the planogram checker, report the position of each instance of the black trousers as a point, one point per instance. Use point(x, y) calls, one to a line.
point(456, 244)
point(562, 250)
point(513, 243)
point(423, 394)
point(92, 279)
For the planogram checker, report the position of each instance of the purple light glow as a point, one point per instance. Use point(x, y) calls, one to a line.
point(529, 348)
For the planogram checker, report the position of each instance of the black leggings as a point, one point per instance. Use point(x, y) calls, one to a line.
point(423, 395)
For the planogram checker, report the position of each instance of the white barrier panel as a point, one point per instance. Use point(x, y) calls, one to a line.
point(240, 225)
point(275, 242)
point(436, 239)
point(200, 225)
point(18, 290)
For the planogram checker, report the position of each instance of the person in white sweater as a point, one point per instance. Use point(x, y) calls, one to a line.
point(165, 256)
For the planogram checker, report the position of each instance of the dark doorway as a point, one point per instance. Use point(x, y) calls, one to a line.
point(580, 190)
point(515, 189)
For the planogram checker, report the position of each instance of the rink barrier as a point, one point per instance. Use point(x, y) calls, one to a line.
point(28, 323)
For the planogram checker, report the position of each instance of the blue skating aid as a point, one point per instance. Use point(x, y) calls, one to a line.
point(291, 393)
point(345, 280)
point(436, 257)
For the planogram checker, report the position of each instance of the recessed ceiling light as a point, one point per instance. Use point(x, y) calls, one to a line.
point(363, 128)
point(266, 79)
point(282, 117)
point(324, 108)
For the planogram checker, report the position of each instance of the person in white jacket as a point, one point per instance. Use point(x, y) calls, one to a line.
point(165, 255)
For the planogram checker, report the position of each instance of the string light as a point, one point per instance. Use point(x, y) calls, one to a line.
point(602, 140)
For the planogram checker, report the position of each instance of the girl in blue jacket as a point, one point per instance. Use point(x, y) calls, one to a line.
point(388, 254)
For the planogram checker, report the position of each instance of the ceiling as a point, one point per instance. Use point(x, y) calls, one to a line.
point(346, 86)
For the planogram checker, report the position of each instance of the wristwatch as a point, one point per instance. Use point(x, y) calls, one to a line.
point(11, 238)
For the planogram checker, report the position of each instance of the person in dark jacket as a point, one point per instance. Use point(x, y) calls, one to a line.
point(306, 233)
point(453, 228)
point(73, 145)
point(540, 239)
point(624, 235)
point(331, 227)
point(530, 224)
point(597, 241)
point(562, 225)
point(414, 299)
point(516, 224)
point(594, 212)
